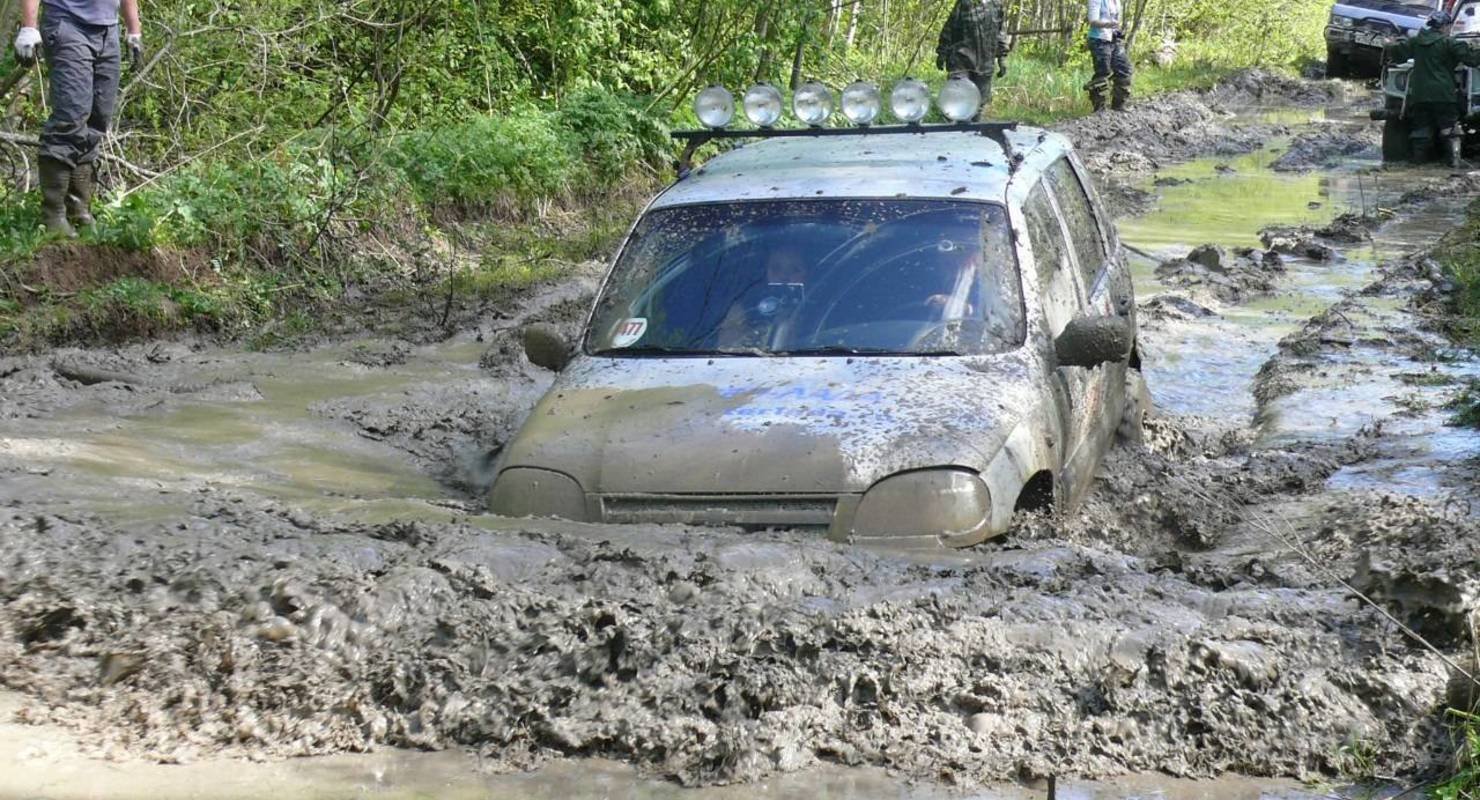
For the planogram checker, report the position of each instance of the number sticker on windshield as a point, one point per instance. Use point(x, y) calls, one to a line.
point(629, 331)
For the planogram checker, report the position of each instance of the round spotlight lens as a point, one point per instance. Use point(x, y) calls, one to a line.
point(714, 107)
point(910, 100)
point(763, 105)
point(861, 103)
point(812, 103)
point(960, 100)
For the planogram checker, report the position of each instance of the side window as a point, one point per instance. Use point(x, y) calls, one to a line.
point(1044, 231)
point(1058, 287)
point(1084, 231)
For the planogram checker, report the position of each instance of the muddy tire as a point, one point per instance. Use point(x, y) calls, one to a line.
point(1132, 428)
point(1336, 64)
point(1394, 141)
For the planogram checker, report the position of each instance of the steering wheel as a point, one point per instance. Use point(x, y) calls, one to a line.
point(930, 330)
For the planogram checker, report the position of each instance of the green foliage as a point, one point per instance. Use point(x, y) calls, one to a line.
point(1459, 253)
point(310, 145)
point(1466, 406)
point(489, 161)
point(613, 132)
point(1465, 783)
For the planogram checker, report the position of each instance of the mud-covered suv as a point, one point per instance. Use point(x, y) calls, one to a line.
point(883, 337)
point(1357, 29)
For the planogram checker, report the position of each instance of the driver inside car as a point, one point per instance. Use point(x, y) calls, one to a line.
point(755, 318)
point(958, 263)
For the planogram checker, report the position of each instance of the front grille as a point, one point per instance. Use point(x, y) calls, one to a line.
point(753, 511)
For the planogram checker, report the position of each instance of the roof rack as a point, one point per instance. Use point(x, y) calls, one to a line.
point(996, 131)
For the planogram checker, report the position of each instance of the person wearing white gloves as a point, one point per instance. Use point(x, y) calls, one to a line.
point(81, 43)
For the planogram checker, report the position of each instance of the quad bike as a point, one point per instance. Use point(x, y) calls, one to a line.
point(1459, 141)
point(1455, 143)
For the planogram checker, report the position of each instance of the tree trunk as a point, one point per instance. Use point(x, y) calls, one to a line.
point(853, 22)
point(1130, 38)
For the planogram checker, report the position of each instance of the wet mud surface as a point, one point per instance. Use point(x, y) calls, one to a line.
point(207, 553)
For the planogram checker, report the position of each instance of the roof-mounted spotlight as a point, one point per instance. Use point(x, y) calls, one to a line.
point(910, 100)
point(959, 100)
point(763, 105)
point(714, 107)
point(812, 103)
point(861, 102)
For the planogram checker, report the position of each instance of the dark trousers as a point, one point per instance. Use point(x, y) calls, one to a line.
point(85, 62)
point(1428, 124)
point(1112, 65)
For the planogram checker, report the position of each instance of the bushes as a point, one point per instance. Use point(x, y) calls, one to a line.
point(512, 161)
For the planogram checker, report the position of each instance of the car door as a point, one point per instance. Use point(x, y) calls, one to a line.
point(1105, 295)
point(1062, 299)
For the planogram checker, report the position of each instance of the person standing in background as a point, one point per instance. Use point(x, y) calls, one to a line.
point(81, 43)
point(1107, 50)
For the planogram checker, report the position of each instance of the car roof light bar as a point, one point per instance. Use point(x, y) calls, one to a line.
point(996, 131)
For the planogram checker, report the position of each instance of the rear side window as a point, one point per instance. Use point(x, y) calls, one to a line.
point(1084, 231)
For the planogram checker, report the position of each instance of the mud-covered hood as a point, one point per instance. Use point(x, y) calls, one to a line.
point(793, 425)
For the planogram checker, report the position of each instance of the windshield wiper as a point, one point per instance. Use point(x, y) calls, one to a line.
point(646, 350)
point(840, 350)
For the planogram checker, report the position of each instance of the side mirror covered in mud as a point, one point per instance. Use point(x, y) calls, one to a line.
point(545, 347)
point(1092, 341)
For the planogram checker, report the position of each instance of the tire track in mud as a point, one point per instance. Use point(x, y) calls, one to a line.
point(1151, 632)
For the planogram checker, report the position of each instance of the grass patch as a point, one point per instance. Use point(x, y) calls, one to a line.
point(1459, 254)
point(1465, 783)
point(1431, 378)
point(1466, 406)
point(1040, 91)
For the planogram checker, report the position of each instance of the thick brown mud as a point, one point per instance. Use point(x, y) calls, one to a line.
point(208, 553)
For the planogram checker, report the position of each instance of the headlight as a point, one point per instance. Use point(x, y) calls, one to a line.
point(763, 105)
point(812, 103)
point(861, 103)
point(1342, 22)
point(934, 502)
point(714, 107)
point(528, 492)
point(910, 100)
point(960, 100)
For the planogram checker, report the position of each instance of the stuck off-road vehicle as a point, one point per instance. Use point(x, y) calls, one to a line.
point(897, 333)
point(1461, 141)
point(1357, 29)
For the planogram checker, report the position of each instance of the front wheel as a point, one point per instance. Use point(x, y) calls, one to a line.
point(1132, 430)
point(1395, 145)
point(1337, 65)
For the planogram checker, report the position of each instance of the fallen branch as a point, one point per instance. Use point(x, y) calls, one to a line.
point(30, 141)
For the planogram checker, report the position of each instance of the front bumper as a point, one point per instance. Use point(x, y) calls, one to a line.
point(1357, 42)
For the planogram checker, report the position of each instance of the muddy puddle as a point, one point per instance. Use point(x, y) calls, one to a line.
point(250, 573)
point(1195, 370)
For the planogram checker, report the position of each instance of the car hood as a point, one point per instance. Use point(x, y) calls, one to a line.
point(773, 425)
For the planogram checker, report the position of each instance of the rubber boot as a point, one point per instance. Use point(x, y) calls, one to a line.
point(56, 180)
point(79, 197)
point(1119, 97)
point(1097, 97)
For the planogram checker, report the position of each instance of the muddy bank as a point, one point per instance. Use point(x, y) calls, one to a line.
point(1184, 125)
point(1229, 277)
point(1327, 146)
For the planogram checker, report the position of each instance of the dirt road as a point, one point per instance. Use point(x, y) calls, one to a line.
point(208, 553)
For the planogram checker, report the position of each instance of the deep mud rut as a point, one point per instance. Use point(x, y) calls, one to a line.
point(211, 554)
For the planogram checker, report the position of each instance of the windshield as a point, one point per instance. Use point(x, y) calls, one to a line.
point(905, 277)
